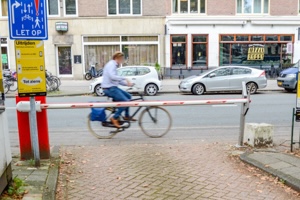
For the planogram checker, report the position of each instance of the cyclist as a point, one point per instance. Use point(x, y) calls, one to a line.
point(110, 83)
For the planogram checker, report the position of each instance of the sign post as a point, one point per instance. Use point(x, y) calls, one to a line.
point(28, 25)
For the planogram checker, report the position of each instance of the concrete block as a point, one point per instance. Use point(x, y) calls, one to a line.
point(259, 135)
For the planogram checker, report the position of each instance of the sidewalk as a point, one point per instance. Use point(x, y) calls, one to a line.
point(283, 166)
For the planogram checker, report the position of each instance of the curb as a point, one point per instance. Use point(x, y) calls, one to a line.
point(49, 192)
point(289, 180)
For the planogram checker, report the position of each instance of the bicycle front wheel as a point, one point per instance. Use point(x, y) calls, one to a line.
point(155, 122)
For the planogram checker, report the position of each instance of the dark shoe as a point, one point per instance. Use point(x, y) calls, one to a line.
point(130, 119)
point(115, 122)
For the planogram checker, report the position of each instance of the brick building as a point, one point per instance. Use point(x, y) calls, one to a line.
point(178, 34)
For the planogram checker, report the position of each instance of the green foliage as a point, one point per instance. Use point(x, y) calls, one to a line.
point(31, 162)
point(157, 67)
point(16, 187)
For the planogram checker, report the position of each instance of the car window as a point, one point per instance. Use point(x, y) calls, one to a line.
point(222, 72)
point(127, 71)
point(239, 71)
point(142, 71)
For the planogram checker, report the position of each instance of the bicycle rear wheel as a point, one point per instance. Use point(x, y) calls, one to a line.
point(13, 86)
point(155, 122)
point(99, 131)
point(6, 88)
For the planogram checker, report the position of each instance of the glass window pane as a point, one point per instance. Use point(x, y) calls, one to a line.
point(194, 6)
point(238, 53)
point(70, 6)
point(64, 60)
point(224, 54)
point(227, 38)
point(199, 55)
point(178, 55)
point(178, 38)
point(202, 6)
point(222, 72)
point(257, 38)
point(257, 6)
point(242, 38)
point(102, 39)
point(286, 38)
point(239, 6)
point(124, 6)
point(175, 6)
point(199, 38)
point(248, 6)
point(271, 38)
point(53, 7)
point(140, 54)
point(140, 38)
point(136, 6)
point(239, 71)
point(100, 54)
point(112, 7)
point(4, 7)
point(183, 6)
point(266, 6)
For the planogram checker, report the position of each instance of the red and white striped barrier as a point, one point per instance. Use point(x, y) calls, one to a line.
point(25, 106)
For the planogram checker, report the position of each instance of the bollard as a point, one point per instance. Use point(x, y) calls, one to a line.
point(24, 131)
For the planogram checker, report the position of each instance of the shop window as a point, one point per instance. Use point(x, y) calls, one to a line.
point(271, 38)
point(227, 38)
point(286, 38)
point(257, 38)
point(188, 6)
point(70, 7)
point(124, 7)
point(242, 38)
point(3, 8)
point(53, 7)
point(140, 54)
point(178, 47)
point(64, 60)
point(200, 51)
point(252, 6)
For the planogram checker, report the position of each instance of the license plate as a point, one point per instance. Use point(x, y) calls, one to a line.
point(279, 83)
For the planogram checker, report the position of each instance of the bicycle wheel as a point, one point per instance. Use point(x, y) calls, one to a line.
point(13, 86)
point(99, 131)
point(155, 121)
point(6, 88)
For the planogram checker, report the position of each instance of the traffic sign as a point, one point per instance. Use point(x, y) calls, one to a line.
point(28, 19)
point(30, 68)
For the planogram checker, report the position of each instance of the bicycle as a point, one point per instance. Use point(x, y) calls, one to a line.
point(10, 82)
point(154, 121)
point(52, 82)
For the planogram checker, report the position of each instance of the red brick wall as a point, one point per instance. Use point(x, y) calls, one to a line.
point(284, 7)
point(92, 8)
point(221, 7)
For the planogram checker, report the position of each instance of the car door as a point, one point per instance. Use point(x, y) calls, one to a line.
point(217, 80)
point(238, 75)
point(129, 73)
point(141, 79)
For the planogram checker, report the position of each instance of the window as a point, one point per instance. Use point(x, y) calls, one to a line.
point(64, 60)
point(200, 51)
point(252, 6)
point(221, 72)
point(188, 6)
point(124, 7)
point(71, 7)
point(3, 8)
point(53, 7)
point(178, 47)
point(131, 71)
point(142, 71)
point(138, 50)
point(240, 71)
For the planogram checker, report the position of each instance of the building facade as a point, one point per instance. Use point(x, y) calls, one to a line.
point(183, 36)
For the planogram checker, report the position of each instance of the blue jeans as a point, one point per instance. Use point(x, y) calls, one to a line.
point(118, 95)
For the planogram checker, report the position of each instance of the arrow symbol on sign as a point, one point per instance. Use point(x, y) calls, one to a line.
point(14, 5)
point(36, 3)
point(25, 9)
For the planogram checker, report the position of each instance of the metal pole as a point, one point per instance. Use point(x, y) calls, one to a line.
point(242, 126)
point(33, 132)
point(292, 134)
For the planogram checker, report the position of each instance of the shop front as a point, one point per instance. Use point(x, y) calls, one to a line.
point(4, 53)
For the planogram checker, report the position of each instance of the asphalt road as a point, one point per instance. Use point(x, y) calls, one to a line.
point(212, 123)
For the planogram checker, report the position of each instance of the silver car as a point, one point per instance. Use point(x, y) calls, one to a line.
point(227, 78)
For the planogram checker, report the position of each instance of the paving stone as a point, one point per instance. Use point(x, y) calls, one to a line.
point(280, 165)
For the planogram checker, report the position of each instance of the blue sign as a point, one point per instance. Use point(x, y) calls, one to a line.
point(28, 19)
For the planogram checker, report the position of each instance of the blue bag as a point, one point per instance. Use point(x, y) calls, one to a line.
point(98, 114)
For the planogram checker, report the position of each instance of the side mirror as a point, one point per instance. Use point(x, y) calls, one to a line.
point(212, 75)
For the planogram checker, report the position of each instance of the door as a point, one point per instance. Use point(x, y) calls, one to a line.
point(217, 80)
point(129, 73)
point(141, 77)
point(238, 76)
point(64, 57)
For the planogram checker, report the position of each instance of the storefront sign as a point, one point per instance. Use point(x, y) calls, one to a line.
point(4, 58)
point(289, 48)
point(30, 68)
point(256, 53)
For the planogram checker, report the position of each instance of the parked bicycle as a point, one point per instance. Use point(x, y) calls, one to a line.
point(93, 73)
point(52, 82)
point(154, 121)
point(10, 81)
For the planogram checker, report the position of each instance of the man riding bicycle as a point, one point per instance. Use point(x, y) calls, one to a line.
point(110, 83)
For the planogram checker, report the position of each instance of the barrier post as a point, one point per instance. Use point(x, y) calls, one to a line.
point(33, 132)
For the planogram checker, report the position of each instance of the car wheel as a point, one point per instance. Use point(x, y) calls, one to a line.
point(99, 91)
point(252, 88)
point(151, 89)
point(198, 89)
